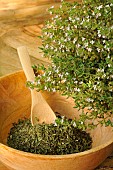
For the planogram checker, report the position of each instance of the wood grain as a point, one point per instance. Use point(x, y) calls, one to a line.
point(15, 13)
point(106, 165)
point(9, 42)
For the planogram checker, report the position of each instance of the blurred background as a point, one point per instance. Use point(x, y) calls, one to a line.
point(20, 24)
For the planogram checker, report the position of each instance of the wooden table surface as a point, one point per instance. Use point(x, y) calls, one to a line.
point(15, 35)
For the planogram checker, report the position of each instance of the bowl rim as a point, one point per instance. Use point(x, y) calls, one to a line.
point(40, 156)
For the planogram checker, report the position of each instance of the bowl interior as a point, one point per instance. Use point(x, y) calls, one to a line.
point(15, 103)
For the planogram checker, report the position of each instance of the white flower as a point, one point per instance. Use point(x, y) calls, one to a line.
point(78, 45)
point(46, 46)
point(60, 75)
point(107, 6)
point(67, 49)
point(32, 82)
point(67, 73)
point(81, 82)
point(55, 124)
point(74, 124)
point(77, 19)
point(51, 7)
point(74, 6)
point(89, 49)
point(108, 49)
point(99, 35)
point(89, 100)
point(74, 40)
point(66, 34)
point(59, 42)
point(98, 49)
point(65, 40)
point(54, 90)
point(63, 81)
point(100, 70)
point(50, 12)
point(38, 82)
point(89, 108)
point(81, 123)
point(76, 82)
point(62, 120)
point(98, 78)
point(57, 71)
point(104, 75)
point(68, 28)
point(73, 21)
point(52, 48)
point(95, 87)
point(51, 36)
point(98, 15)
point(69, 38)
point(48, 79)
point(70, 18)
point(45, 88)
point(92, 41)
point(105, 46)
point(83, 38)
point(99, 7)
point(75, 26)
point(45, 33)
point(56, 16)
point(87, 16)
point(109, 65)
point(86, 44)
point(111, 76)
point(77, 89)
point(103, 36)
point(55, 49)
point(62, 27)
point(112, 27)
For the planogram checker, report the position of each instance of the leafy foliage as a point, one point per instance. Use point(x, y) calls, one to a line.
point(79, 42)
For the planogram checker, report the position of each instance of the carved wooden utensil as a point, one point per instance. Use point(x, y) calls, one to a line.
point(40, 110)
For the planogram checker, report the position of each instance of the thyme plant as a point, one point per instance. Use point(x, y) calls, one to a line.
point(79, 41)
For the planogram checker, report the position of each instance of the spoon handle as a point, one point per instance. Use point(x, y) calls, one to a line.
point(39, 108)
point(26, 63)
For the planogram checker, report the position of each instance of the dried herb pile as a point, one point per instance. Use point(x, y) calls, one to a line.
point(62, 137)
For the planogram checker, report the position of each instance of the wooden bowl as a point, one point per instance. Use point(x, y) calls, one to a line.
point(15, 102)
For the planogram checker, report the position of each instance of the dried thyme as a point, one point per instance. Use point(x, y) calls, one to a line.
point(59, 138)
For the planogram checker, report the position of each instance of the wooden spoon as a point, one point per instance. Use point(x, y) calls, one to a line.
point(40, 110)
